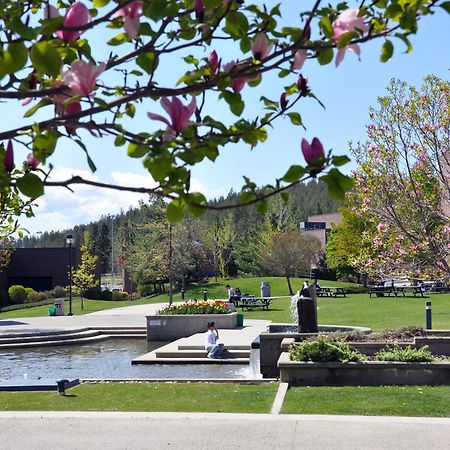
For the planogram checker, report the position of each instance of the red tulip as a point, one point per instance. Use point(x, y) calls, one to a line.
point(9, 157)
point(313, 153)
point(77, 15)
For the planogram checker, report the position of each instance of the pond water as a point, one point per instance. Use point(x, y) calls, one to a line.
point(106, 359)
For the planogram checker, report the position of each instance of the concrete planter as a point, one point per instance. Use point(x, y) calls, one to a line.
point(367, 373)
point(161, 327)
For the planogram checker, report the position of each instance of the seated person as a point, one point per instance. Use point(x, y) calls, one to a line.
point(213, 348)
point(237, 294)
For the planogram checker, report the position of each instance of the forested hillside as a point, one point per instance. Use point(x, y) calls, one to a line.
point(221, 243)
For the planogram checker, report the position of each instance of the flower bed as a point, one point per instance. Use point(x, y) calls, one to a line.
point(196, 307)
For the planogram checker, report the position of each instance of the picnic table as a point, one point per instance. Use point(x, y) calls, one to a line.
point(330, 291)
point(252, 302)
point(387, 291)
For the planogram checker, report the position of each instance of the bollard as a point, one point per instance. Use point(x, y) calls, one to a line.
point(61, 385)
point(205, 294)
point(428, 315)
point(182, 294)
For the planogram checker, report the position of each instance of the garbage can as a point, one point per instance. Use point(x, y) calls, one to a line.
point(240, 320)
point(265, 289)
point(59, 307)
point(51, 311)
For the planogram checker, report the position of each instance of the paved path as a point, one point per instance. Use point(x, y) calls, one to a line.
point(186, 431)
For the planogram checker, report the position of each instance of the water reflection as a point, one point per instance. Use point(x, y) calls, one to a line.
point(106, 359)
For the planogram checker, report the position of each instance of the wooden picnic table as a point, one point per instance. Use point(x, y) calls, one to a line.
point(252, 302)
point(330, 291)
point(387, 291)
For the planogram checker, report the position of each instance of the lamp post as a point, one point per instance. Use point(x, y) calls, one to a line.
point(69, 241)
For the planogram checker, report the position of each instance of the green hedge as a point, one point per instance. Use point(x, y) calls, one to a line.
point(27, 305)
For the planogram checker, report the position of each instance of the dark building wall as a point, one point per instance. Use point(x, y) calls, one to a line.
point(39, 268)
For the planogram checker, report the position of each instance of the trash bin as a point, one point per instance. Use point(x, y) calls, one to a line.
point(51, 311)
point(265, 289)
point(240, 320)
point(59, 307)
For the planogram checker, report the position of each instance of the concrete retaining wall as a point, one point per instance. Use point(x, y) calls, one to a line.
point(170, 328)
point(369, 373)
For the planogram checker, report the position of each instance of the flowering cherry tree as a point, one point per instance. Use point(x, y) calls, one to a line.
point(50, 60)
point(403, 183)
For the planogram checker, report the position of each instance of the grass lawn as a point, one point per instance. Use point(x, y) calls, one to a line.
point(423, 401)
point(377, 313)
point(164, 397)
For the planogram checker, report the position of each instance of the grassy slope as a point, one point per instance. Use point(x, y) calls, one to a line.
point(358, 309)
point(420, 401)
point(147, 397)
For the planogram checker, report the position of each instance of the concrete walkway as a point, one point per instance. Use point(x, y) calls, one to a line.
point(189, 431)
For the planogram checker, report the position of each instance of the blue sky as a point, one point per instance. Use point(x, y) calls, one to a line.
point(347, 92)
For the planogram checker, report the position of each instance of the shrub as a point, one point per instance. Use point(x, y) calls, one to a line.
point(196, 307)
point(59, 291)
point(42, 296)
point(106, 295)
point(93, 293)
point(17, 294)
point(118, 295)
point(145, 289)
point(26, 305)
point(407, 354)
point(324, 349)
point(32, 295)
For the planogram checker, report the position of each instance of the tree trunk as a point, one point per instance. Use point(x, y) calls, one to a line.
point(288, 279)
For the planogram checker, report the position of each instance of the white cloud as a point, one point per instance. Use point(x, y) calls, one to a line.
point(62, 209)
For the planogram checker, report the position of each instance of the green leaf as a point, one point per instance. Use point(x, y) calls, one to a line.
point(136, 150)
point(46, 58)
point(30, 185)
point(326, 27)
point(386, 51)
point(340, 160)
point(261, 207)
point(155, 9)
point(236, 25)
point(296, 118)
point(176, 210)
point(119, 141)
point(40, 104)
point(234, 99)
point(445, 6)
point(100, 3)
point(325, 56)
point(120, 39)
point(245, 44)
point(130, 110)
point(146, 61)
point(23, 30)
point(199, 199)
point(246, 196)
point(394, 11)
point(14, 58)
point(338, 184)
point(44, 144)
point(293, 174)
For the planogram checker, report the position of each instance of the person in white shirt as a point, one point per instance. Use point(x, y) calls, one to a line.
point(213, 348)
point(230, 292)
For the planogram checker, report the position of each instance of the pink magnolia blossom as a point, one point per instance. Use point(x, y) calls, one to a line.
point(237, 83)
point(72, 108)
point(299, 59)
point(51, 12)
point(76, 16)
point(32, 161)
point(8, 160)
point(214, 61)
point(346, 22)
point(261, 46)
point(313, 153)
point(179, 115)
point(199, 10)
point(131, 15)
point(283, 101)
point(302, 84)
point(81, 77)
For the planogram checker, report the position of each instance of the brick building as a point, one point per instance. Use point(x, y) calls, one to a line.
point(320, 225)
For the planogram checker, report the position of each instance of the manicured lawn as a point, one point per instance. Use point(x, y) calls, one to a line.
point(424, 401)
point(377, 313)
point(177, 397)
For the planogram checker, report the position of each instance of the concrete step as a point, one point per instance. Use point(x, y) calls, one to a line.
point(20, 334)
point(142, 336)
point(241, 361)
point(201, 347)
point(49, 336)
point(188, 354)
point(114, 330)
point(53, 343)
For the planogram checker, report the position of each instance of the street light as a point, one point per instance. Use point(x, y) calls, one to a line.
point(69, 241)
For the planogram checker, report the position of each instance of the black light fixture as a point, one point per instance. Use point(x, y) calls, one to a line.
point(69, 241)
